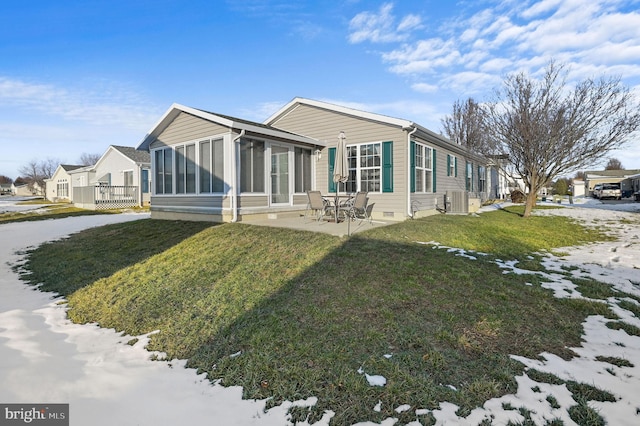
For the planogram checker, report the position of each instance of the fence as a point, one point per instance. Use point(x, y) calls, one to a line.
point(105, 197)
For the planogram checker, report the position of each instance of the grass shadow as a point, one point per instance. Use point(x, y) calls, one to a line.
point(99, 252)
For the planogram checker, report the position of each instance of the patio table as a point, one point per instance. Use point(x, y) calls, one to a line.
point(337, 203)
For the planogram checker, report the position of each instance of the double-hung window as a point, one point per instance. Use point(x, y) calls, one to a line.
point(365, 167)
point(423, 168)
point(469, 176)
point(452, 165)
point(482, 179)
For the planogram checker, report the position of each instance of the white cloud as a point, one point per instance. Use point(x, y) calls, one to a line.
point(103, 105)
point(424, 87)
point(379, 27)
point(602, 35)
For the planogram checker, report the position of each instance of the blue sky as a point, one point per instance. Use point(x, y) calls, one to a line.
point(79, 75)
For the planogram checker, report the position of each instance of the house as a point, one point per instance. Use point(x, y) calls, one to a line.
point(120, 178)
point(592, 178)
point(6, 188)
point(209, 166)
point(58, 186)
point(27, 189)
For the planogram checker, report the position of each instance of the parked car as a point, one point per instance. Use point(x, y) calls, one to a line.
point(596, 190)
point(610, 190)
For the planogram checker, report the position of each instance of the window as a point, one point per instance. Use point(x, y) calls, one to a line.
point(482, 179)
point(145, 181)
point(423, 168)
point(128, 178)
point(251, 166)
point(302, 166)
point(452, 165)
point(63, 188)
point(164, 171)
point(186, 169)
point(469, 177)
point(211, 166)
point(365, 168)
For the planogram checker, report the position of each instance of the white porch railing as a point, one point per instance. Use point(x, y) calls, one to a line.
point(105, 197)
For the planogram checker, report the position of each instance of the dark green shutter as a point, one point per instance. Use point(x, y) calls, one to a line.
point(455, 166)
point(332, 160)
point(387, 166)
point(412, 162)
point(433, 154)
point(448, 165)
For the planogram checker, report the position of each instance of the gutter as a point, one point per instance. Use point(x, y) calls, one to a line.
point(234, 176)
point(409, 134)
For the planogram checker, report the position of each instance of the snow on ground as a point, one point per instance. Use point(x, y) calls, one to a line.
point(46, 358)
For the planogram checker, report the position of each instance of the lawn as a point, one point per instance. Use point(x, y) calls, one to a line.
point(290, 314)
point(50, 211)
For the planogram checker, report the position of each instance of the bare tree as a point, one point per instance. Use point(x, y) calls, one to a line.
point(614, 164)
point(5, 179)
point(548, 129)
point(466, 126)
point(89, 159)
point(36, 171)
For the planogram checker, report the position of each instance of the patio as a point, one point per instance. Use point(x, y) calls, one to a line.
point(310, 223)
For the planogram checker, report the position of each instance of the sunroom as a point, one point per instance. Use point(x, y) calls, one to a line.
point(208, 166)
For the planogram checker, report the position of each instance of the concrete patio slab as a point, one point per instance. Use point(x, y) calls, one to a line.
point(311, 224)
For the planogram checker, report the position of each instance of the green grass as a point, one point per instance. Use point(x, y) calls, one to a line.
point(305, 311)
point(51, 211)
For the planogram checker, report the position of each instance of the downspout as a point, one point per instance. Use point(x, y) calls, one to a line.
point(234, 177)
point(409, 134)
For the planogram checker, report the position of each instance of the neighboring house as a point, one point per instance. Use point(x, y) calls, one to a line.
point(6, 188)
point(27, 190)
point(59, 187)
point(209, 166)
point(592, 178)
point(120, 178)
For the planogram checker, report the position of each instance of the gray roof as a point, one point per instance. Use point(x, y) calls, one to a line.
point(69, 167)
point(134, 154)
point(610, 173)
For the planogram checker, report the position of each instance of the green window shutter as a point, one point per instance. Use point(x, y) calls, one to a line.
point(387, 166)
point(448, 165)
point(332, 160)
point(412, 161)
point(455, 166)
point(433, 180)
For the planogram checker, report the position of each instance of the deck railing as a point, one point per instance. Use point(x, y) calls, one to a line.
point(105, 197)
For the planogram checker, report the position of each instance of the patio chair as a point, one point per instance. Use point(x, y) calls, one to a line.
point(357, 208)
point(319, 204)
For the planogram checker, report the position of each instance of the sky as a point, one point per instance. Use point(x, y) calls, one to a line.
point(106, 381)
point(78, 76)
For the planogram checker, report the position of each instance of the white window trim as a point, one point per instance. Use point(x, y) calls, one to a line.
point(224, 137)
point(425, 169)
point(359, 168)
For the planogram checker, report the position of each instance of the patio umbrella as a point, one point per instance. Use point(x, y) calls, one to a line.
point(340, 167)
